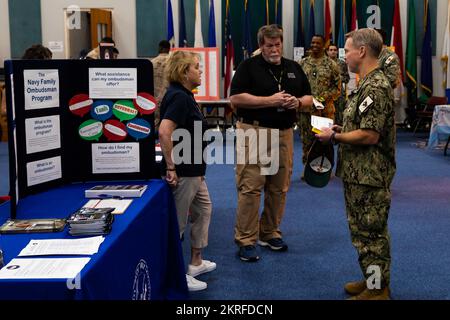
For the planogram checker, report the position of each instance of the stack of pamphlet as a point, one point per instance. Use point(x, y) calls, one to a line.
point(116, 191)
point(90, 221)
point(32, 225)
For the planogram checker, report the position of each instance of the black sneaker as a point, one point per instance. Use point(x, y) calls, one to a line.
point(276, 244)
point(248, 253)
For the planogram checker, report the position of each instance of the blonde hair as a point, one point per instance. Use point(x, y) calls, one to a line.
point(178, 64)
point(369, 38)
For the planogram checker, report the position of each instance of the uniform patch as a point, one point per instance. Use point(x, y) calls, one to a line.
point(291, 75)
point(389, 60)
point(366, 103)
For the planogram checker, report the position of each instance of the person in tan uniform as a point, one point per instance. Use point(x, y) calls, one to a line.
point(160, 83)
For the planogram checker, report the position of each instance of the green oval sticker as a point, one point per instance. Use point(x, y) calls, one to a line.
point(124, 110)
point(91, 130)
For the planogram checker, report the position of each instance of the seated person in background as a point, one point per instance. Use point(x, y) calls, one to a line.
point(37, 51)
point(115, 53)
point(95, 53)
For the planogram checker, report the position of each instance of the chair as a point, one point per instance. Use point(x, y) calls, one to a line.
point(424, 115)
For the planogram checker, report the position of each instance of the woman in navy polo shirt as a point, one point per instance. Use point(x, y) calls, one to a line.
point(183, 166)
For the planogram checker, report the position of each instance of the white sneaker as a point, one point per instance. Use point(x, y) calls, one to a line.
point(206, 266)
point(194, 284)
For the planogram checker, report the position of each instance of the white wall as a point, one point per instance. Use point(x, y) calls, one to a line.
point(438, 75)
point(124, 22)
point(5, 46)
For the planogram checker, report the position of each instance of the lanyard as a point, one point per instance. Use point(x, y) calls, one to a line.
point(278, 81)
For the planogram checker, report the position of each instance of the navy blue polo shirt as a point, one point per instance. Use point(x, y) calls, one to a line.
point(259, 78)
point(180, 106)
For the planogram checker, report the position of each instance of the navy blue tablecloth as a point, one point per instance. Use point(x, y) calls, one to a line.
point(140, 258)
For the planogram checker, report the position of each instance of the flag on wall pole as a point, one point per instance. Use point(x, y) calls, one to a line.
point(354, 24)
point(342, 26)
point(446, 54)
point(247, 39)
point(278, 14)
point(300, 42)
point(328, 28)
point(397, 41)
point(411, 56)
point(170, 32)
point(198, 40)
point(229, 52)
point(212, 26)
point(267, 13)
point(182, 41)
point(426, 79)
point(312, 23)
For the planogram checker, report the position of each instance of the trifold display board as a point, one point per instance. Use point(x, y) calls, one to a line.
point(77, 121)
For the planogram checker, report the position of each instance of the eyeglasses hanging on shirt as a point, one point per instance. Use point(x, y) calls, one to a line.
point(277, 80)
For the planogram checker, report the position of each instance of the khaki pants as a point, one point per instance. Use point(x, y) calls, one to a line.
point(250, 183)
point(192, 202)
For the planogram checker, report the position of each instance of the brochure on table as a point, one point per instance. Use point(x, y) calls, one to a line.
point(77, 121)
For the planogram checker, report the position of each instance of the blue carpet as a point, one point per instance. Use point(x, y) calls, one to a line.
point(321, 257)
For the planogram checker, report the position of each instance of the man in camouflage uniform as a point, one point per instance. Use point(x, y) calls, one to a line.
point(366, 163)
point(389, 62)
point(159, 79)
point(341, 101)
point(323, 76)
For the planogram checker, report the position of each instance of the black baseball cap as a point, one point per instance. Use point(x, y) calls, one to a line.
point(319, 165)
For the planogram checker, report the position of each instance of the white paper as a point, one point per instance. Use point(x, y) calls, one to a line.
point(51, 247)
point(42, 134)
point(317, 104)
point(56, 46)
point(342, 54)
point(120, 205)
point(321, 122)
point(41, 89)
point(115, 158)
point(299, 52)
point(213, 75)
point(112, 83)
point(43, 171)
point(67, 268)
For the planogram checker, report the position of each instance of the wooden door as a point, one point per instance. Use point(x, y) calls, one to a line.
point(101, 25)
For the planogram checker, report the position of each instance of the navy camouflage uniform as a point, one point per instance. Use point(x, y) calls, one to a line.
point(367, 172)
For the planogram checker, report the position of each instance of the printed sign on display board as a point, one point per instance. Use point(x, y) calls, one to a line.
point(80, 120)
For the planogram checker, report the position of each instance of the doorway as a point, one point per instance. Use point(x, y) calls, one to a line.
point(84, 29)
